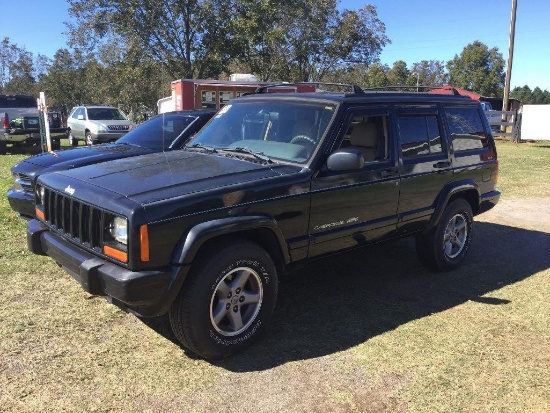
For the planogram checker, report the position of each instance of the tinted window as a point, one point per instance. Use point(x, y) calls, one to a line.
point(17, 102)
point(466, 127)
point(419, 135)
point(158, 132)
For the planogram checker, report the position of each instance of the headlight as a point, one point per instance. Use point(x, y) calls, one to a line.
point(16, 183)
point(119, 230)
point(41, 194)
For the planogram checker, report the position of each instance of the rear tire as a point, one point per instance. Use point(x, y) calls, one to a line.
point(2, 148)
point(444, 248)
point(226, 301)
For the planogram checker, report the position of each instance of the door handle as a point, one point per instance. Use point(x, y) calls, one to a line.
point(443, 164)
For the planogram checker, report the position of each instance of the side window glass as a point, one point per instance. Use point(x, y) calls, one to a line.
point(466, 127)
point(419, 135)
point(369, 134)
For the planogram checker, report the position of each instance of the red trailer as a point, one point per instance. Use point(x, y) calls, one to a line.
point(214, 94)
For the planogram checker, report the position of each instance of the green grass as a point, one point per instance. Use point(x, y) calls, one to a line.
point(524, 168)
point(371, 331)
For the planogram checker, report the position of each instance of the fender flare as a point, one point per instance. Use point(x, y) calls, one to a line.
point(445, 196)
point(189, 245)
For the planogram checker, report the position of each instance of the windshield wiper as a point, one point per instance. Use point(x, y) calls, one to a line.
point(200, 146)
point(257, 155)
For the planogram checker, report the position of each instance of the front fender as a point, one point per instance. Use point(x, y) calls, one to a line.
point(189, 245)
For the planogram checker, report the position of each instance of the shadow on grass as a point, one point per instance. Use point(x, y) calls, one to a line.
point(338, 303)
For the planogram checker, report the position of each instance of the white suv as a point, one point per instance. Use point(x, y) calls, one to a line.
point(97, 124)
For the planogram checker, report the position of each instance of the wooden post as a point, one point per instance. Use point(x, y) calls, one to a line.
point(44, 110)
point(510, 57)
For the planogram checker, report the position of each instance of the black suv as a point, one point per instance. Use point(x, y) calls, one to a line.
point(272, 181)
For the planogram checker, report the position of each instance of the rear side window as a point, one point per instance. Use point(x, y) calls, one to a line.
point(419, 135)
point(17, 102)
point(466, 127)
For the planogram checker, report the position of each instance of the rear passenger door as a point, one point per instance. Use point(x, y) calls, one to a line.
point(425, 164)
point(355, 207)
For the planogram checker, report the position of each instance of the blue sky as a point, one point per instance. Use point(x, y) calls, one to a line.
point(419, 30)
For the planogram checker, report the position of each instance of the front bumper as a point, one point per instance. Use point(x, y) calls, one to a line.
point(26, 135)
point(146, 293)
point(108, 136)
point(22, 203)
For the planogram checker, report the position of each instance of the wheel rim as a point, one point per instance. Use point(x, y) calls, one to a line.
point(89, 140)
point(456, 234)
point(236, 301)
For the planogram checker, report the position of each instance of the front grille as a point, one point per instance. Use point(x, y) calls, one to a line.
point(118, 127)
point(75, 219)
point(25, 182)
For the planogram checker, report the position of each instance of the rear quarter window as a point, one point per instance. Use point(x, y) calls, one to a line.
point(466, 128)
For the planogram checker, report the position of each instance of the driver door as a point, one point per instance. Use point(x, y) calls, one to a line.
point(355, 207)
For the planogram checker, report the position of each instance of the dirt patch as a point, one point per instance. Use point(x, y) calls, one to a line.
point(528, 213)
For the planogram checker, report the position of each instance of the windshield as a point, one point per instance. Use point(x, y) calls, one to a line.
point(158, 132)
point(105, 114)
point(283, 129)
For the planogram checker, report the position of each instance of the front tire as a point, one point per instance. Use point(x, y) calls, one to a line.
point(88, 138)
point(226, 301)
point(444, 248)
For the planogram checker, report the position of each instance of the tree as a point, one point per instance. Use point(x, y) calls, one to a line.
point(478, 69)
point(528, 96)
point(398, 74)
point(323, 40)
point(430, 73)
point(377, 76)
point(188, 36)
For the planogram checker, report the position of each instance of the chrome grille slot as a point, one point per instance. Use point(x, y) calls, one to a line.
point(118, 127)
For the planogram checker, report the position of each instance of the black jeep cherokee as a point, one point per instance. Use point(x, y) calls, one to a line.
point(271, 181)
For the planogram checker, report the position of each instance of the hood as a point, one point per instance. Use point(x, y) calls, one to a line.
point(76, 157)
point(158, 176)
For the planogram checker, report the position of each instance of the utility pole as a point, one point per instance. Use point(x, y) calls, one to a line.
point(510, 56)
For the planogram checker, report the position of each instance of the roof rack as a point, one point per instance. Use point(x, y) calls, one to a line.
point(351, 88)
point(409, 88)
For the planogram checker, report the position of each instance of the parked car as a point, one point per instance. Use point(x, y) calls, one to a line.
point(272, 182)
point(97, 123)
point(20, 125)
point(161, 133)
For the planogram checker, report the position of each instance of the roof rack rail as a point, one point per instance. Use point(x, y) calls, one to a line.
point(351, 88)
point(410, 88)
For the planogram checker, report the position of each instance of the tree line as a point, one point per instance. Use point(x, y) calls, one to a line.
point(126, 52)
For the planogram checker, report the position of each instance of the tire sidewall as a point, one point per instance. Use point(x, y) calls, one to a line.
point(268, 302)
point(458, 207)
point(210, 342)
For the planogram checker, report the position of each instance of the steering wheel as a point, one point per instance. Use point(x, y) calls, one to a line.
point(306, 142)
point(303, 139)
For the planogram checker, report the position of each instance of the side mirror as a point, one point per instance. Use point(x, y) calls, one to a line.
point(80, 117)
point(345, 159)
